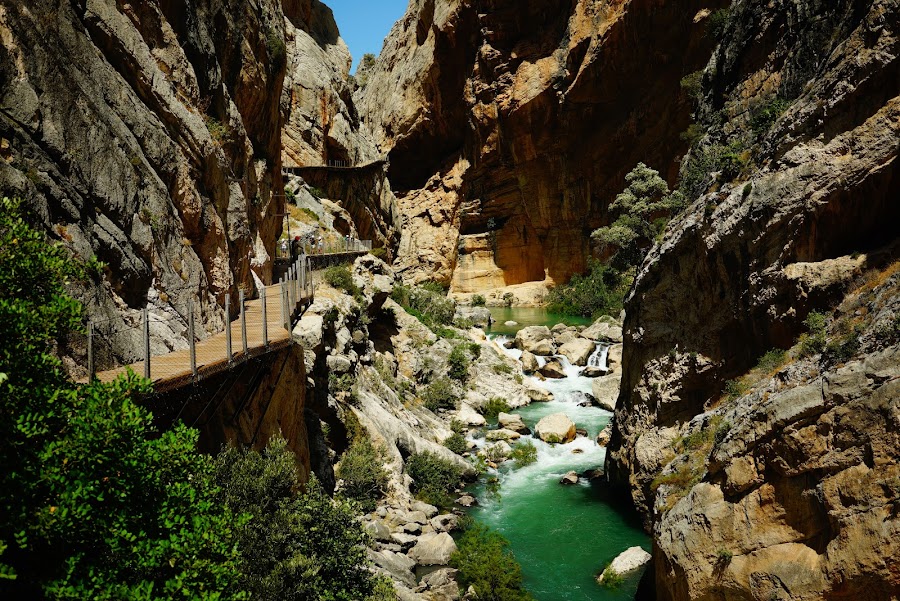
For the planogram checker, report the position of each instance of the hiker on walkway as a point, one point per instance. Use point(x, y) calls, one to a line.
point(296, 247)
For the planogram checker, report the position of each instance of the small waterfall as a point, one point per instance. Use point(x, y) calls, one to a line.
point(598, 357)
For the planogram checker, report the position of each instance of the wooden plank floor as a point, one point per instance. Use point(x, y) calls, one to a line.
point(174, 369)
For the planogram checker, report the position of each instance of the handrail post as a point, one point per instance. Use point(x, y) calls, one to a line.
point(228, 353)
point(145, 316)
point(265, 323)
point(284, 308)
point(243, 323)
point(193, 340)
point(90, 351)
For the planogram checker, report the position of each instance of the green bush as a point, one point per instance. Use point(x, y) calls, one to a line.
point(95, 502)
point(735, 389)
point(815, 338)
point(363, 473)
point(702, 162)
point(842, 349)
point(601, 290)
point(524, 453)
point(611, 578)
point(339, 277)
point(457, 443)
point(478, 301)
point(431, 308)
point(692, 85)
point(379, 253)
point(764, 116)
point(439, 394)
point(485, 563)
point(502, 368)
point(433, 478)
point(458, 362)
point(771, 361)
point(277, 50)
point(435, 287)
point(494, 407)
point(297, 545)
point(717, 23)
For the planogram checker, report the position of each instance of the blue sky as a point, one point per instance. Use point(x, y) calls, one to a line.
point(365, 23)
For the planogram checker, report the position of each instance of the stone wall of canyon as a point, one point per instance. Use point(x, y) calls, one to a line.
point(510, 126)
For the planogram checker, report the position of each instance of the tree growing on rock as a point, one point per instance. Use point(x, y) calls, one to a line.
point(642, 211)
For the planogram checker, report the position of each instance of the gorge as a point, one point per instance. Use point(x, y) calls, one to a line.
point(745, 429)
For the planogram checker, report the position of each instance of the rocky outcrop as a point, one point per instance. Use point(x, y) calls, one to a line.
point(147, 135)
point(806, 95)
point(509, 128)
point(627, 561)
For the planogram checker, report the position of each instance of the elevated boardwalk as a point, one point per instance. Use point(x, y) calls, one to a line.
point(264, 326)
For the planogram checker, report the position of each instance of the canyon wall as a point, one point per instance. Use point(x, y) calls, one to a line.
point(509, 126)
point(788, 489)
point(147, 135)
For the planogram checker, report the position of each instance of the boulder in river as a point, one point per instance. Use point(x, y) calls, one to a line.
point(538, 394)
point(467, 501)
point(552, 369)
point(627, 561)
point(479, 316)
point(510, 323)
point(555, 428)
point(512, 421)
point(535, 339)
point(614, 358)
point(604, 436)
point(529, 362)
point(569, 479)
point(502, 434)
point(604, 329)
point(578, 351)
point(594, 372)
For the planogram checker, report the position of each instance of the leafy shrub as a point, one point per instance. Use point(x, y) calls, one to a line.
point(717, 23)
point(458, 363)
point(433, 478)
point(435, 287)
point(439, 394)
point(339, 277)
point(95, 501)
point(363, 473)
point(767, 114)
point(611, 578)
point(494, 407)
point(771, 361)
point(277, 50)
point(842, 349)
point(379, 253)
point(457, 443)
point(692, 84)
point(298, 545)
point(815, 338)
point(601, 290)
point(693, 134)
point(431, 308)
point(317, 193)
point(340, 383)
point(508, 299)
point(735, 389)
point(723, 557)
point(728, 160)
point(502, 368)
point(485, 563)
point(478, 301)
point(524, 453)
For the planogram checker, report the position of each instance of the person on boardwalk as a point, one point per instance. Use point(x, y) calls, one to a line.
point(296, 247)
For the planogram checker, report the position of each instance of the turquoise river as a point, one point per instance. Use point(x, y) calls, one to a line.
point(562, 536)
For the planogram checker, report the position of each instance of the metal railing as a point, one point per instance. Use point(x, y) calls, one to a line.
point(260, 323)
point(287, 249)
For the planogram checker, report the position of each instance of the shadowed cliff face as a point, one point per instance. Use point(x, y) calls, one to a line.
point(734, 277)
point(147, 135)
point(511, 125)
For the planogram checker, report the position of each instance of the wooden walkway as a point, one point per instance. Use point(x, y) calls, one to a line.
point(173, 370)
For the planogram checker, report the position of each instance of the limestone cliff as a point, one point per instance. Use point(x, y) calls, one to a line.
point(788, 491)
point(510, 125)
point(147, 135)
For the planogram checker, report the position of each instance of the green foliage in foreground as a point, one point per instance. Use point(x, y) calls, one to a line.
point(433, 478)
point(96, 503)
point(601, 290)
point(296, 545)
point(456, 442)
point(485, 562)
point(363, 473)
point(439, 394)
point(494, 407)
point(815, 338)
point(339, 277)
point(426, 304)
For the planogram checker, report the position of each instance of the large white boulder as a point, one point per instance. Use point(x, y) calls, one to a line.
point(535, 339)
point(512, 421)
point(552, 369)
point(433, 550)
point(556, 427)
point(529, 362)
point(577, 351)
point(627, 561)
point(603, 330)
point(468, 416)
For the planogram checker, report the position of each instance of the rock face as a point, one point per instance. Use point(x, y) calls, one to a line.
point(509, 128)
point(147, 135)
point(556, 428)
point(776, 495)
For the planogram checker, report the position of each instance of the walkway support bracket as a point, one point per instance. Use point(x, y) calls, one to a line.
point(145, 317)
